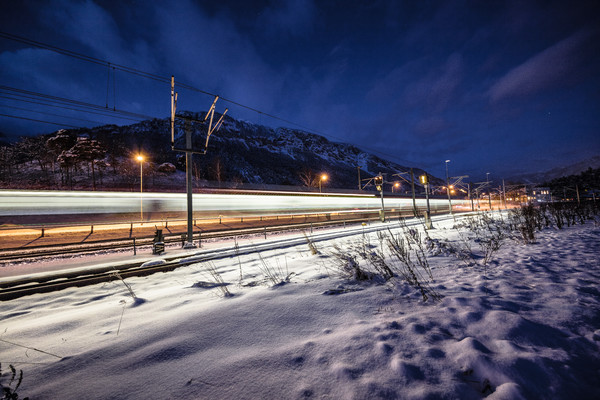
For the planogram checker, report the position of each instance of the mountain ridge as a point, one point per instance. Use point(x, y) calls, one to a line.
point(240, 152)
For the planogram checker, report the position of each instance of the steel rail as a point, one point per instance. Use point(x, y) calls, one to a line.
point(33, 252)
point(24, 286)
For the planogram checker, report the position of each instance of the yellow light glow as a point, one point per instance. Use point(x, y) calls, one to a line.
point(140, 157)
point(397, 184)
point(324, 177)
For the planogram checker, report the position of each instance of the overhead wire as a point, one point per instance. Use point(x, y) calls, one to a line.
point(70, 108)
point(39, 120)
point(33, 94)
point(51, 114)
point(149, 75)
point(162, 79)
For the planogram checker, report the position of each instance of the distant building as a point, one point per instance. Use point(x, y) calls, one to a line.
point(541, 194)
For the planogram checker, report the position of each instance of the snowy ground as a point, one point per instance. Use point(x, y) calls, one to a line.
point(525, 326)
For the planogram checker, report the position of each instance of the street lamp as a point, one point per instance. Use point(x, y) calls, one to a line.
point(396, 185)
point(487, 179)
point(448, 188)
point(140, 158)
point(321, 179)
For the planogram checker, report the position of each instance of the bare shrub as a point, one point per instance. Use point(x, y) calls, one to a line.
point(9, 392)
point(403, 248)
point(348, 266)
point(276, 275)
point(117, 275)
point(525, 220)
point(311, 245)
point(214, 274)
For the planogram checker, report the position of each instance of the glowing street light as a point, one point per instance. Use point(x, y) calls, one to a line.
point(140, 158)
point(321, 179)
point(396, 185)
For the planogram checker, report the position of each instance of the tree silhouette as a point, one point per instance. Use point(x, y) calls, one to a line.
point(88, 150)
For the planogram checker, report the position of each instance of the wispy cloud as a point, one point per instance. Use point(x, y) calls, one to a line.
point(437, 89)
point(544, 70)
point(88, 23)
point(294, 17)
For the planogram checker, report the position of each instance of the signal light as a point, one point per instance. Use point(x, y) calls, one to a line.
point(379, 183)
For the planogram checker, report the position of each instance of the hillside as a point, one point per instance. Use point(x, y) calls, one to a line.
point(239, 153)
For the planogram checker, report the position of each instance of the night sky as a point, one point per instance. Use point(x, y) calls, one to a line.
point(503, 87)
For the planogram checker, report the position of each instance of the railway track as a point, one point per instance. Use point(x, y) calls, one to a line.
point(38, 252)
point(24, 286)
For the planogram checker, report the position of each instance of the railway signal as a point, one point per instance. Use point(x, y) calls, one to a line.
point(424, 179)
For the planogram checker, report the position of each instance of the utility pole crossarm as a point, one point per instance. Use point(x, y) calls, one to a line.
point(189, 151)
point(459, 179)
point(217, 126)
point(399, 175)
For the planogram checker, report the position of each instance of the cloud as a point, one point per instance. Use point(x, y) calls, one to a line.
point(437, 89)
point(88, 23)
point(294, 17)
point(546, 69)
point(431, 127)
point(210, 53)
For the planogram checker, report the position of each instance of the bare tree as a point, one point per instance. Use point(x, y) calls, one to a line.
point(56, 145)
point(309, 178)
point(7, 159)
point(89, 150)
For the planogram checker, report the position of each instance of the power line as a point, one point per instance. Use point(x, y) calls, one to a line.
point(159, 78)
point(26, 93)
point(51, 114)
point(149, 75)
point(39, 120)
point(63, 107)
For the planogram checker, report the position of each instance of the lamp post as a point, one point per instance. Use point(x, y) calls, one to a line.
point(448, 188)
point(396, 185)
point(321, 179)
point(487, 179)
point(425, 181)
point(140, 158)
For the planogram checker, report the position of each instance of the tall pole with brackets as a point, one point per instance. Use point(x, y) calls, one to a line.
point(189, 151)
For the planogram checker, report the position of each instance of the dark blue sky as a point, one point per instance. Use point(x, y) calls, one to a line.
point(495, 86)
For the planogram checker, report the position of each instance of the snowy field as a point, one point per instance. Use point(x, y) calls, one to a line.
point(288, 324)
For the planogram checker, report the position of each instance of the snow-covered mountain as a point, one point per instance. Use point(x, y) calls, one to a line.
point(245, 152)
point(546, 176)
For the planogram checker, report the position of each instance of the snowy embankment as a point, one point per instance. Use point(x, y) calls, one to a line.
point(525, 325)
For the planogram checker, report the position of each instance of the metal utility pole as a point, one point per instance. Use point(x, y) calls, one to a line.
point(359, 187)
point(141, 159)
point(412, 185)
point(188, 150)
point(487, 179)
point(448, 188)
point(425, 182)
point(470, 197)
point(504, 194)
point(379, 186)
point(189, 187)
